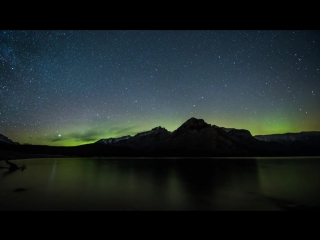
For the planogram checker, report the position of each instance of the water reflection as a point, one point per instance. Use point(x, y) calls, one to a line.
point(153, 184)
point(217, 184)
point(295, 180)
point(8, 172)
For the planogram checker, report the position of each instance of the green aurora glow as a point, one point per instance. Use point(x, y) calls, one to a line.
point(66, 88)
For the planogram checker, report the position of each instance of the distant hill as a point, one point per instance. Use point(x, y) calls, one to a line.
point(307, 143)
point(289, 138)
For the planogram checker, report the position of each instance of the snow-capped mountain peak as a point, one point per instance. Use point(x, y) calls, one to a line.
point(152, 131)
point(114, 140)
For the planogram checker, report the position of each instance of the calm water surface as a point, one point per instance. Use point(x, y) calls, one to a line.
point(80, 184)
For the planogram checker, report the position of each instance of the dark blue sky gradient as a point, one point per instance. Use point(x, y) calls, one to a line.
point(75, 87)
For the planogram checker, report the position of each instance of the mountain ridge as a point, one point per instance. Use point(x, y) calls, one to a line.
point(4, 139)
point(197, 135)
point(194, 137)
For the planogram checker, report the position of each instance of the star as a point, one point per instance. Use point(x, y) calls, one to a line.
point(55, 81)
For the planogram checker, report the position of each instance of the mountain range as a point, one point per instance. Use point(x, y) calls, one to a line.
point(194, 138)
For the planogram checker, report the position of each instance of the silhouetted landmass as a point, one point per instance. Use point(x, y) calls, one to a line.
point(197, 138)
point(88, 150)
point(304, 142)
point(194, 138)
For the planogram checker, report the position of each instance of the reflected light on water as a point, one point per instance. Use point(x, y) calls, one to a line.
point(160, 184)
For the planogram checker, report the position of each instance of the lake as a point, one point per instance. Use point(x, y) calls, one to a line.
point(166, 184)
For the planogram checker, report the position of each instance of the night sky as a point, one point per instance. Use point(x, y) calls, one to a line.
point(75, 87)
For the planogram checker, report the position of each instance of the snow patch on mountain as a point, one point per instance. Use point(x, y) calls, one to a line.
point(152, 131)
point(114, 140)
point(288, 137)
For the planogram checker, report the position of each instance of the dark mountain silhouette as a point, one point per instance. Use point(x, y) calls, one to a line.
point(298, 143)
point(312, 138)
point(141, 141)
point(194, 138)
point(114, 140)
point(4, 139)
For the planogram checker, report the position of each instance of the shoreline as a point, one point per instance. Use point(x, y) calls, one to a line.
point(126, 157)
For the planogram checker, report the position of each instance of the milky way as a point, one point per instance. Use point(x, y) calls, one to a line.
point(75, 87)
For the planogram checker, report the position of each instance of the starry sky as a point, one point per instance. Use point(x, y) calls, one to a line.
point(66, 87)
